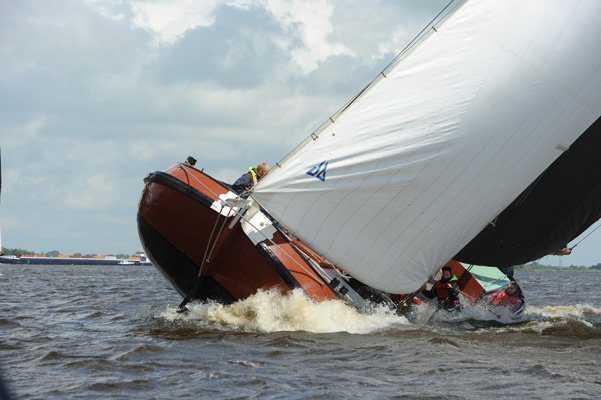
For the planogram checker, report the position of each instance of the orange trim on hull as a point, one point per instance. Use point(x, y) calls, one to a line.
point(467, 283)
point(197, 180)
point(304, 274)
point(177, 206)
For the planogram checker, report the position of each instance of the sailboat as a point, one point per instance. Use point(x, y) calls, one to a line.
point(476, 143)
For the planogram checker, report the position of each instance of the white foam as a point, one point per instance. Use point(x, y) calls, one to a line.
point(577, 311)
point(428, 312)
point(270, 311)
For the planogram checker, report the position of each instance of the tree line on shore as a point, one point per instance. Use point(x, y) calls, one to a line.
point(533, 266)
point(536, 266)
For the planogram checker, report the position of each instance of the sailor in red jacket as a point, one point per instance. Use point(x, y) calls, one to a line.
point(509, 297)
point(445, 290)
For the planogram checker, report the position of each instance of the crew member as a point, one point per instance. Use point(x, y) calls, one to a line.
point(564, 251)
point(249, 179)
point(406, 302)
point(445, 290)
point(510, 297)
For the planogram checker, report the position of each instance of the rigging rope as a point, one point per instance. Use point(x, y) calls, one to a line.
point(576, 244)
point(197, 180)
point(208, 253)
point(590, 233)
point(314, 136)
point(382, 74)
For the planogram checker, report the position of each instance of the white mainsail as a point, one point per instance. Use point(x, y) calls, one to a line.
point(419, 163)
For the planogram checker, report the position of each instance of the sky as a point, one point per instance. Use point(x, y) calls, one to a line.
point(96, 94)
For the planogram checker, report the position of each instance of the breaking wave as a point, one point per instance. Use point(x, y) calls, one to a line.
point(578, 311)
point(581, 321)
point(270, 311)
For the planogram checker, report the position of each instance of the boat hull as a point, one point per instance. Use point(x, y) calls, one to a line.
point(206, 255)
point(179, 229)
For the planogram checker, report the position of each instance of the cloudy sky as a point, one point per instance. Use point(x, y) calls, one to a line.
point(95, 94)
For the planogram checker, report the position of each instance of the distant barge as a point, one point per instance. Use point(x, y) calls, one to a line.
point(70, 261)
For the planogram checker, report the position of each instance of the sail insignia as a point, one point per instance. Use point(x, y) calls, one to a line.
point(319, 171)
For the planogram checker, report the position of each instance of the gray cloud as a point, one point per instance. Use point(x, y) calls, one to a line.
point(95, 94)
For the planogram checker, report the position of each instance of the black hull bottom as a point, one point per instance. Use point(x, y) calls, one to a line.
point(178, 269)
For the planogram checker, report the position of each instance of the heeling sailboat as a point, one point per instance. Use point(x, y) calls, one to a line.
point(405, 175)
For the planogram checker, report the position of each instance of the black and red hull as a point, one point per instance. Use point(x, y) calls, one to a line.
point(177, 227)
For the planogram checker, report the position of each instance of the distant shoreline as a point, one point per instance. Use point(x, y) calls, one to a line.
point(522, 268)
point(535, 267)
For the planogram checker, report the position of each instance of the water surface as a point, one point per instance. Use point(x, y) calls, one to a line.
point(112, 332)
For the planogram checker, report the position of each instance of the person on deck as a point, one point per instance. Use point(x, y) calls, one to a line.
point(564, 251)
point(250, 178)
point(510, 297)
point(406, 302)
point(445, 290)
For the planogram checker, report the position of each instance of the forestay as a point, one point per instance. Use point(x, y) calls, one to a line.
point(430, 154)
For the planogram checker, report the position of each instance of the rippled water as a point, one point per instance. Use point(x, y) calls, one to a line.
point(112, 332)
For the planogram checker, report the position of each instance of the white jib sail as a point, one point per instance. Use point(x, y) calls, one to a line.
point(420, 163)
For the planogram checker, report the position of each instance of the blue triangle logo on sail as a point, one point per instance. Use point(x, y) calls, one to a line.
point(319, 171)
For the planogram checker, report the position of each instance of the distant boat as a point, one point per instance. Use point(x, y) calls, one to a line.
point(141, 260)
point(28, 260)
point(479, 116)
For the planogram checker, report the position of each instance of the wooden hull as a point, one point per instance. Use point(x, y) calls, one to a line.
point(178, 229)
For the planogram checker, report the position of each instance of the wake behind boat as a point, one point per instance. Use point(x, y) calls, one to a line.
point(449, 152)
